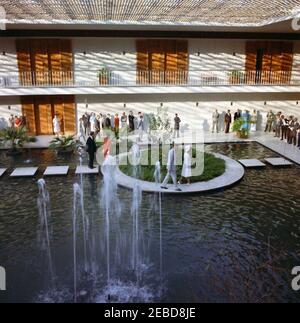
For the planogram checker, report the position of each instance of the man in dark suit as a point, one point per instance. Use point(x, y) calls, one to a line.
point(91, 148)
point(237, 114)
point(131, 121)
point(227, 121)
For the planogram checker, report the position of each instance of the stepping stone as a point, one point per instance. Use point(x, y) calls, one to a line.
point(24, 172)
point(248, 163)
point(56, 170)
point(278, 161)
point(86, 170)
point(2, 171)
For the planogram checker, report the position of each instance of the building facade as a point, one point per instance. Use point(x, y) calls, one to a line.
point(192, 74)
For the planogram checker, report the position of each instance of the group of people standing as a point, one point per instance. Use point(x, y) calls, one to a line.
point(90, 122)
point(285, 128)
point(250, 120)
point(17, 121)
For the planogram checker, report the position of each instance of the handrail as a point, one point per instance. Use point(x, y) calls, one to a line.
point(81, 78)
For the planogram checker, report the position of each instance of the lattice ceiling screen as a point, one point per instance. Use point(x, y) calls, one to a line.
point(172, 12)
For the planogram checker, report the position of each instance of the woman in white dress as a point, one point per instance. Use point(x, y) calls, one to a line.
point(81, 131)
point(253, 121)
point(186, 171)
point(56, 125)
point(93, 122)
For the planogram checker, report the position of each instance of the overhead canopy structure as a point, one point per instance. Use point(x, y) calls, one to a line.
point(155, 12)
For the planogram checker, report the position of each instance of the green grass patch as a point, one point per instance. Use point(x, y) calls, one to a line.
point(213, 166)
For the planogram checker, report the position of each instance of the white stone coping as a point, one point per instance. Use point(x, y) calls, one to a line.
point(2, 171)
point(250, 163)
point(56, 170)
point(24, 172)
point(234, 172)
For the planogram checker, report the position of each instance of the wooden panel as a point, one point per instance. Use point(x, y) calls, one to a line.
point(286, 61)
point(171, 74)
point(69, 115)
point(182, 61)
point(58, 108)
point(28, 113)
point(54, 47)
point(66, 61)
point(44, 116)
point(142, 61)
point(40, 61)
point(166, 60)
point(24, 62)
point(251, 48)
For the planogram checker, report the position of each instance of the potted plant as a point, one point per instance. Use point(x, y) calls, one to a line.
point(236, 77)
point(65, 144)
point(240, 128)
point(104, 75)
point(15, 138)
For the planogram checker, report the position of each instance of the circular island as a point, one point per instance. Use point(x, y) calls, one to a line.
point(219, 172)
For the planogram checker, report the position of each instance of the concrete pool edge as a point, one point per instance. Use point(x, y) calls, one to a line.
point(234, 172)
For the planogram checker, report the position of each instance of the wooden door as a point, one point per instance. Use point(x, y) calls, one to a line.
point(286, 62)
point(156, 61)
point(40, 61)
point(182, 61)
point(250, 64)
point(24, 62)
point(55, 61)
point(58, 108)
point(171, 74)
point(66, 61)
point(43, 116)
point(29, 114)
point(69, 118)
point(142, 61)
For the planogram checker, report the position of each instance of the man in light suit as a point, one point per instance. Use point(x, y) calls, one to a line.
point(171, 167)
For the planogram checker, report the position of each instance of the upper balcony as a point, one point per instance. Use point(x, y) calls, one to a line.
point(147, 81)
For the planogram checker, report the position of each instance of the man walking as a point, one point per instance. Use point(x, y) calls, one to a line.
point(215, 121)
point(91, 149)
point(171, 168)
point(176, 126)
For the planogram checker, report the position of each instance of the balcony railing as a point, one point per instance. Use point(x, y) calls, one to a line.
point(90, 78)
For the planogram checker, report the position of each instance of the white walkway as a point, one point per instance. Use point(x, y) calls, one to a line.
point(234, 172)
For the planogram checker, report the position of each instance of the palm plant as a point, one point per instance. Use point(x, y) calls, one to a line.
point(15, 138)
point(65, 144)
point(239, 127)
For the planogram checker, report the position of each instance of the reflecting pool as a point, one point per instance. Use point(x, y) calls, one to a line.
point(234, 245)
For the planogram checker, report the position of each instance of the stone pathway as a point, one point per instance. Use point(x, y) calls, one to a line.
point(24, 172)
point(56, 170)
point(250, 163)
point(278, 162)
point(86, 170)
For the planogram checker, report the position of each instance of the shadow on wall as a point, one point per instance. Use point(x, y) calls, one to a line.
point(3, 123)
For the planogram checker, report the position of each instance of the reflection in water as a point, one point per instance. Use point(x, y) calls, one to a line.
point(239, 244)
